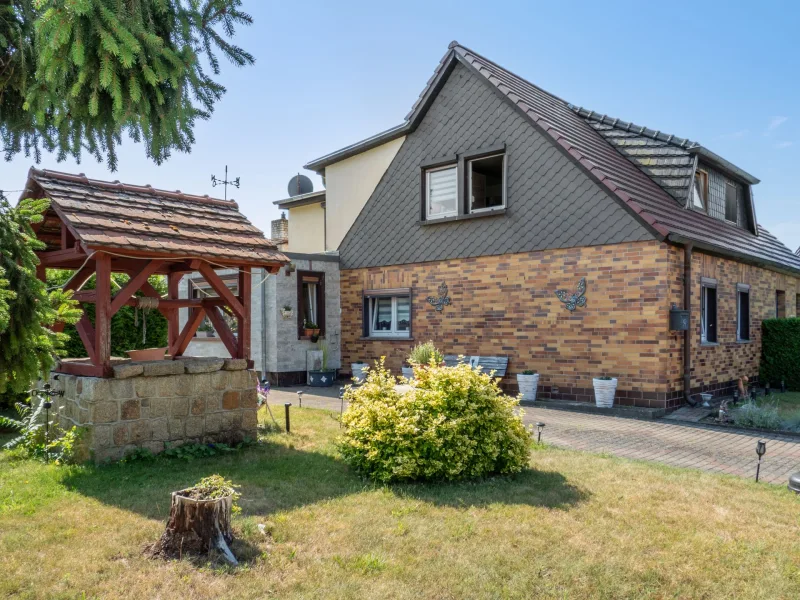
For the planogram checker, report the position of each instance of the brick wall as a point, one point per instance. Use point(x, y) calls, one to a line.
point(716, 368)
point(506, 305)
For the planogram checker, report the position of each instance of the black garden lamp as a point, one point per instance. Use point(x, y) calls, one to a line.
point(766, 389)
point(761, 450)
point(539, 428)
point(286, 408)
point(300, 398)
point(783, 386)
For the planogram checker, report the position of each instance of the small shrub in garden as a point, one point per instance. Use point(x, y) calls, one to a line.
point(764, 416)
point(423, 354)
point(454, 424)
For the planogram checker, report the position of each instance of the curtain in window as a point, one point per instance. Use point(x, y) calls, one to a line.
point(383, 314)
point(311, 302)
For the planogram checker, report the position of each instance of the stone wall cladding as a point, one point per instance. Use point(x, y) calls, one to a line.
point(717, 368)
point(209, 401)
point(506, 305)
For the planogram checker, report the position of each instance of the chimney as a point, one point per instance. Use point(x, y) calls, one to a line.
point(280, 229)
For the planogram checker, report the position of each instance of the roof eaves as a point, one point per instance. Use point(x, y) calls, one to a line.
point(717, 160)
point(732, 254)
point(301, 200)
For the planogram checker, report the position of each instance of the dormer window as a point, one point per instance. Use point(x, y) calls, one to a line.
point(700, 191)
point(731, 203)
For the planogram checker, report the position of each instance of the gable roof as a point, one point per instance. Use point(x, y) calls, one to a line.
point(604, 153)
point(114, 215)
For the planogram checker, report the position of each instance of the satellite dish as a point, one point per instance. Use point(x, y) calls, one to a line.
point(300, 184)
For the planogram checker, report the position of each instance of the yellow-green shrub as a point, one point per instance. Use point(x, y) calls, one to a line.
point(454, 424)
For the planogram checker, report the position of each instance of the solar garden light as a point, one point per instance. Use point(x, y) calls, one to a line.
point(794, 483)
point(553, 391)
point(783, 386)
point(539, 428)
point(761, 450)
point(341, 405)
point(766, 389)
point(300, 398)
point(286, 407)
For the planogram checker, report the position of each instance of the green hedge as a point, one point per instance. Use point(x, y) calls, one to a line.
point(780, 352)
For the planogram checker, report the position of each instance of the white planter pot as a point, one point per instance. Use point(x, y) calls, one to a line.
point(408, 372)
point(357, 369)
point(287, 314)
point(527, 386)
point(604, 392)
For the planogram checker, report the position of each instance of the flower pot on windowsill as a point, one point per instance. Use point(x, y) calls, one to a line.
point(358, 371)
point(311, 332)
point(605, 389)
point(528, 384)
point(322, 378)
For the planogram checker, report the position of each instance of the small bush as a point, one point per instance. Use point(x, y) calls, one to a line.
point(423, 354)
point(764, 416)
point(780, 352)
point(454, 424)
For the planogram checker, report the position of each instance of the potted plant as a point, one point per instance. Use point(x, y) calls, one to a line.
point(287, 311)
point(310, 329)
point(206, 330)
point(528, 382)
point(605, 388)
point(421, 356)
point(324, 377)
point(357, 369)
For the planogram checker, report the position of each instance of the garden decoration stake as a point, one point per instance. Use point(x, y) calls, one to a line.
point(761, 450)
point(576, 299)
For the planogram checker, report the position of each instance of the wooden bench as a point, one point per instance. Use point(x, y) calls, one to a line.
point(498, 364)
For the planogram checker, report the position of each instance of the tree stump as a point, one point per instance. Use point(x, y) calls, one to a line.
point(196, 527)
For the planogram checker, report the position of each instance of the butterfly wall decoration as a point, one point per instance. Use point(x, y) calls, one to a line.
point(576, 299)
point(443, 299)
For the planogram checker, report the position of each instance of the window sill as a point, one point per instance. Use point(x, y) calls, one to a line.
point(744, 341)
point(308, 337)
point(377, 338)
point(478, 215)
point(709, 344)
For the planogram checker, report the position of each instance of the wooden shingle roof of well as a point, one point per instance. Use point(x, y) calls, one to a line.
point(105, 215)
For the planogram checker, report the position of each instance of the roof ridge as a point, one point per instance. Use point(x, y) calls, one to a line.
point(656, 134)
point(127, 187)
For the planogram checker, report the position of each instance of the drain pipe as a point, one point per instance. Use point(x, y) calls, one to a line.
point(687, 334)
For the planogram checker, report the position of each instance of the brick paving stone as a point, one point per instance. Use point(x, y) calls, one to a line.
point(662, 441)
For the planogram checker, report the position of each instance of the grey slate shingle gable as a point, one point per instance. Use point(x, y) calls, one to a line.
point(651, 197)
point(551, 202)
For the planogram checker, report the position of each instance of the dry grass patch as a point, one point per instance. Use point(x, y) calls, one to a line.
point(573, 526)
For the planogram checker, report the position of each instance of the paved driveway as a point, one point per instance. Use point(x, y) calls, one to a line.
point(705, 448)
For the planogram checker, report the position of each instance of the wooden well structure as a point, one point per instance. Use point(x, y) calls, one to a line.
point(99, 228)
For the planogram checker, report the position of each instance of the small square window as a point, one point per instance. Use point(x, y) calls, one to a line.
point(731, 203)
point(700, 190)
point(486, 183)
point(388, 316)
point(743, 314)
point(708, 315)
point(441, 192)
point(780, 304)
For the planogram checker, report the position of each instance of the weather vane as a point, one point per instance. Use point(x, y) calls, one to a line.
point(234, 182)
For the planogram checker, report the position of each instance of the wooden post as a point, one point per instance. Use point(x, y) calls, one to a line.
point(173, 323)
point(102, 320)
point(243, 321)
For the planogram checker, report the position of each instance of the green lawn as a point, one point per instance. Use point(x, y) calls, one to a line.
point(573, 526)
point(788, 405)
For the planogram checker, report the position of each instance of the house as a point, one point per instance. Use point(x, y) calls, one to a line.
point(498, 219)
point(305, 291)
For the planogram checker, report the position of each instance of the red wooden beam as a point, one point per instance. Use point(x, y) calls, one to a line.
point(87, 333)
point(225, 333)
point(83, 369)
point(222, 290)
point(173, 325)
point(102, 319)
point(134, 284)
point(81, 276)
point(245, 290)
point(61, 257)
point(195, 318)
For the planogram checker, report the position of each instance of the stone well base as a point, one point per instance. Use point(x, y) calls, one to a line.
point(154, 404)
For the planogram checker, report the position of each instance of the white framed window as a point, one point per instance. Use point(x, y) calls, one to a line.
point(389, 316)
point(700, 190)
point(486, 182)
point(731, 202)
point(441, 192)
point(743, 313)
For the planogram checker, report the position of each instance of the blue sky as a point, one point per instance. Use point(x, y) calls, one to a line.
point(724, 74)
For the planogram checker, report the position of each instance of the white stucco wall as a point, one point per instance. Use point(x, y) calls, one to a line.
point(307, 229)
point(348, 186)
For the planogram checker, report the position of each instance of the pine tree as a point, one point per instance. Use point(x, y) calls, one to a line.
point(76, 75)
point(27, 309)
